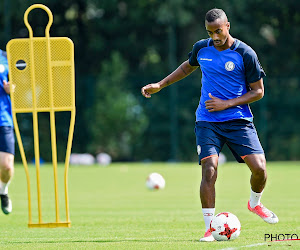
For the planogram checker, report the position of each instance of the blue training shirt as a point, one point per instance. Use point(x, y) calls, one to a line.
point(226, 75)
point(5, 103)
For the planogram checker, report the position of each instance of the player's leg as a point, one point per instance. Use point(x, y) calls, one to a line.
point(207, 193)
point(6, 173)
point(257, 165)
point(209, 145)
point(244, 141)
point(7, 150)
point(209, 177)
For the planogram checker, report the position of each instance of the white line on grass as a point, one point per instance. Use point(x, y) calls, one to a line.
point(253, 245)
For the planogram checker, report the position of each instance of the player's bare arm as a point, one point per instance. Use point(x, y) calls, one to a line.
point(181, 72)
point(256, 93)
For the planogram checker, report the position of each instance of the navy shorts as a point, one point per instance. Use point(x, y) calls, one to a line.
point(239, 135)
point(7, 140)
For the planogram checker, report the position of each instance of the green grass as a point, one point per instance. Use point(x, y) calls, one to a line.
point(111, 208)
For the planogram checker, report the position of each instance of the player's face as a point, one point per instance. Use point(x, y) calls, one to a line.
point(218, 31)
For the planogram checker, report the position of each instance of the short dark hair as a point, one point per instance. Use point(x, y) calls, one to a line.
point(214, 14)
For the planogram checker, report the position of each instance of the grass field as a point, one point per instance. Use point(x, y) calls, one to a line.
point(111, 208)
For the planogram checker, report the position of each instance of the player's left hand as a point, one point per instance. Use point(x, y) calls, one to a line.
point(215, 104)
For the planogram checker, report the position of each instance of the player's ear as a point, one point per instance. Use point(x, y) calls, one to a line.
point(228, 25)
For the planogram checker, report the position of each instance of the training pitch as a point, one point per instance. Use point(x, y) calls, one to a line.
point(111, 208)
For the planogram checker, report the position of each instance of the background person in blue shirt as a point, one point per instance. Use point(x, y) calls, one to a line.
point(232, 77)
point(7, 139)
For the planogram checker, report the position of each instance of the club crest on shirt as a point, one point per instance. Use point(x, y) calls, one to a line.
point(229, 66)
point(2, 68)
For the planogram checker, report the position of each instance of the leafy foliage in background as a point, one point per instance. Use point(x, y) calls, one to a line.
point(117, 119)
point(121, 45)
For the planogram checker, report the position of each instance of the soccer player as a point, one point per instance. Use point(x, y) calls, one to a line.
point(232, 77)
point(7, 139)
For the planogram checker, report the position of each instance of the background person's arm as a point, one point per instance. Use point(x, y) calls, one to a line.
point(6, 86)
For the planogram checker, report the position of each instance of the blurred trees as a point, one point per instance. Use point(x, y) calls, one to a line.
point(116, 119)
point(122, 45)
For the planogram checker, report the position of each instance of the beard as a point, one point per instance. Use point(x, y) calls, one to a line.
point(220, 43)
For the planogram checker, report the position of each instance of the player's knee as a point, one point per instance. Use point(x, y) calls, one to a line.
point(209, 170)
point(257, 164)
point(260, 169)
point(260, 172)
point(209, 174)
point(7, 166)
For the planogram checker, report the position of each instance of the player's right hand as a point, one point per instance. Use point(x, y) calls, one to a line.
point(150, 89)
point(6, 87)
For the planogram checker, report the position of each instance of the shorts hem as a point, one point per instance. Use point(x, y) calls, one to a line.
point(208, 157)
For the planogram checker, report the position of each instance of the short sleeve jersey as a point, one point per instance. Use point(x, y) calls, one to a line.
point(226, 75)
point(5, 103)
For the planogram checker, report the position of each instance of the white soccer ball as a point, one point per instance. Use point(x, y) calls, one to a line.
point(155, 181)
point(225, 226)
